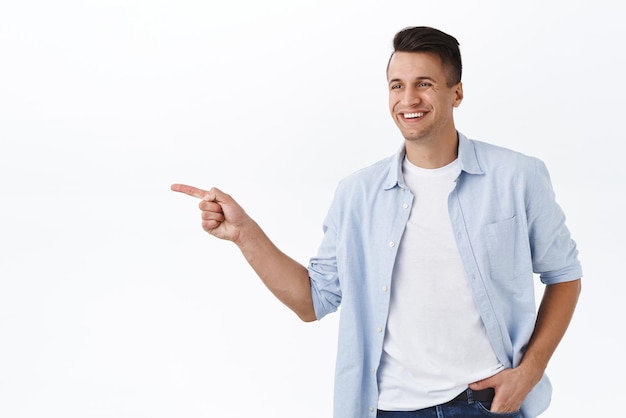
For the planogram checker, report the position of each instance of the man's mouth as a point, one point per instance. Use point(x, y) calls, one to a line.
point(414, 115)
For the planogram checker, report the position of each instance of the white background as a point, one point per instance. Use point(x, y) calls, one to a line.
point(114, 302)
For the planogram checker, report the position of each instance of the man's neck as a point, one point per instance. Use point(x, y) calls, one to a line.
point(435, 153)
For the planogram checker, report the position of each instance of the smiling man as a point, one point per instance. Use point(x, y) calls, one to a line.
point(431, 254)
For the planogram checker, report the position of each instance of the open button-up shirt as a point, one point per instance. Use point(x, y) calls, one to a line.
point(507, 227)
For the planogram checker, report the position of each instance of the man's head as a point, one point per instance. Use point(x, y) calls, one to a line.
point(424, 80)
point(426, 39)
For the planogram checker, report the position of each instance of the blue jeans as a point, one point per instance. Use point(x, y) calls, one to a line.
point(452, 409)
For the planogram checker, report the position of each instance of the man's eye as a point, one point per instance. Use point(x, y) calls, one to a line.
point(425, 84)
point(395, 86)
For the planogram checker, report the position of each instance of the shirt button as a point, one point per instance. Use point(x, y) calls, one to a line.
point(373, 370)
point(392, 244)
point(371, 409)
point(379, 329)
point(405, 206)
point(385, 288)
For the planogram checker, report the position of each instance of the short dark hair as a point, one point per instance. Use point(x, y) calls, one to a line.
point(426, 39)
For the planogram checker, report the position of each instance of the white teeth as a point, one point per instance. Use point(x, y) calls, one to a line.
point(413, 115)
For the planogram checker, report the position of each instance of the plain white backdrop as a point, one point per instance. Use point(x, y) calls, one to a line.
point(114, 302)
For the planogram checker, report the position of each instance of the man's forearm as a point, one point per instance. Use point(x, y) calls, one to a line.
point(554, 316)
point(287, 279)
point(555, 313)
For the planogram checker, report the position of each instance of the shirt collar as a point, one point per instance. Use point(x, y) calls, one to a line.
point(467, 156)
point(467, 159)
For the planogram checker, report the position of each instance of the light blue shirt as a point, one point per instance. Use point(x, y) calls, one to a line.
point(507, 226)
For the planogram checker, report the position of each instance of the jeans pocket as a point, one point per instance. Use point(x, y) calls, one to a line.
point(484, 408)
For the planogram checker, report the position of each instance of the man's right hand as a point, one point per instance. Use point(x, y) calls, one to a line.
point(221, 216)
point(224, 218)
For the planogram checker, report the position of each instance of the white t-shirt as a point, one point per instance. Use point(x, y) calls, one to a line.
point(435, 343)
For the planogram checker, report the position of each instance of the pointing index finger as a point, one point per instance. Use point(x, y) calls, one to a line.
point(190, 190)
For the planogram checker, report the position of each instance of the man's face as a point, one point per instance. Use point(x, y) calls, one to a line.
point(420, 101)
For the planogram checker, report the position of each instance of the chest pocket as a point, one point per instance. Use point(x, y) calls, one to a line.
point(500, 238)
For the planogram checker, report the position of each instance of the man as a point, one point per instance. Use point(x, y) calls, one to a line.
point(431, 254)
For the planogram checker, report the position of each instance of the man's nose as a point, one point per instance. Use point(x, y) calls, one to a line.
point(410, 97)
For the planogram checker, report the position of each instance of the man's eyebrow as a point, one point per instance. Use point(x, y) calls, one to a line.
point(421, 78)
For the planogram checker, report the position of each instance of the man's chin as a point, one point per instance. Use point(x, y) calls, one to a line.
point(413, 137)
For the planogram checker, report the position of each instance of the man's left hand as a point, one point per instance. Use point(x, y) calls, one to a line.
point(511, 387)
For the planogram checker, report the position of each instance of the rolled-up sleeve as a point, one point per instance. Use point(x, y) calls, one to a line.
point(554, 253)
point(323, 271)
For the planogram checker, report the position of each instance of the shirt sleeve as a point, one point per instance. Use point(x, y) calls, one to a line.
point(554, 252)
point(323, 271)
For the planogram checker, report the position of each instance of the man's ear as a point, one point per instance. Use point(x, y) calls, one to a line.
point(459, 94)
